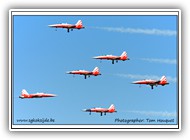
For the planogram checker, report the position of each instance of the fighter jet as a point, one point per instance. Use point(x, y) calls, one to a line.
point(122, 57)
point(111, 109)
point(152, 83)
point(95, 72)
point(78, 26)
point(25, 94)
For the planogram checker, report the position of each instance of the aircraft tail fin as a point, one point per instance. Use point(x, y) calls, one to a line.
point(124, 56)
point(79, 24)
point(24, 92)
point(163, 80)
point(96, 71)
point(111, 108)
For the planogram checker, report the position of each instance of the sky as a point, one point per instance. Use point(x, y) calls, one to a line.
point(42, 56)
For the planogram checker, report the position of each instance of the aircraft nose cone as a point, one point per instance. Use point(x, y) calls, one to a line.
point(68, 72)
point(135, 82)
point(50, 25)
point(84, 110)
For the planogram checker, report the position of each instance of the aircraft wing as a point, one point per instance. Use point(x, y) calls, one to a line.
point(37, 95)
point(87, 73)
point(153, 82)
point(71, 26)
point(103, 110)
point(117, 57)
point(157, 82)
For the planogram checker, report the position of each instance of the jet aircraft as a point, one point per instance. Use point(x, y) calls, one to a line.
point(95, 72)
point(113, 58)
point(25, 94)
point(111, 109)
point(152, 83)
point(78, 26)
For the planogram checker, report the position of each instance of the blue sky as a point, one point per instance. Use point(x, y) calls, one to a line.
point(42, 56)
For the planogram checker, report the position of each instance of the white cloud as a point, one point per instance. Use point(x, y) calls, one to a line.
point(155, 113)
point(166, 61)
point(139, 31)
point(141, 77)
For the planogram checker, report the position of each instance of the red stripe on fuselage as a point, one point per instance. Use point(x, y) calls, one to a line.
point(81, 72)
point(108, 57)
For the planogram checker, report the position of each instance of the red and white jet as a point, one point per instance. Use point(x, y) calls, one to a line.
point(122, 57)
point(162, 81)
point(95, 72)
point(111, 109)
point(25, 94)
point(78, 26)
